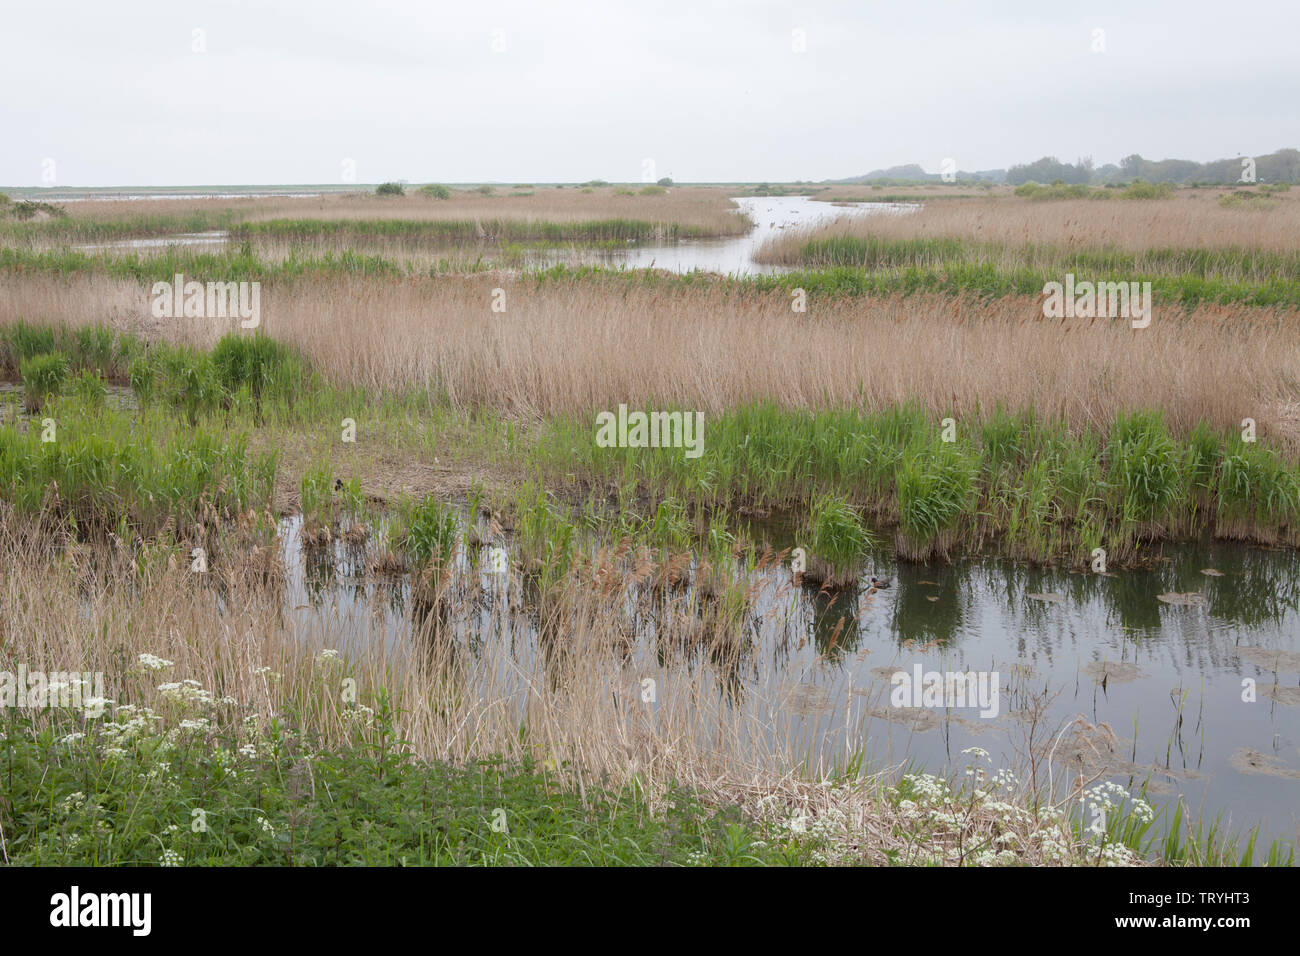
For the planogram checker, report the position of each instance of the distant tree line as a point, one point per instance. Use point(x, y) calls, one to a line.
point(1282, 166)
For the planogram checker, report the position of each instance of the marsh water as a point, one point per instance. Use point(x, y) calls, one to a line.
point(1183, 678)
point(772, 216)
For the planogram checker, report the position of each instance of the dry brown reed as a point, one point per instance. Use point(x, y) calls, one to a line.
point(583, 345)
point(706, 208)
point(1192, 219)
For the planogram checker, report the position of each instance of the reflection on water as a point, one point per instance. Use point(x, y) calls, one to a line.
point(212, 240)
point(772, 216)
point(1159, 685)
point(12, 408)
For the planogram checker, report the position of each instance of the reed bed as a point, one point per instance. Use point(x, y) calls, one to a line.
point(580, 346)
point(1192, 220)
point(470, 230)
point(695, 211)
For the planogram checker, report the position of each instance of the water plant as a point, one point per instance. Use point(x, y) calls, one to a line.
point(432, 533)
point(837, 542)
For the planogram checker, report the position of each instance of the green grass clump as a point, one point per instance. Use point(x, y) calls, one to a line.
point(43, 378)
point(837, 542)
point(316, 493)
point(936, 487)
point(259, 363)
point(390, 189)
point(548, 539)
point(23, 341)
point(106, 470)
point(432, 533)
point(1145, 465)
point(191, 381)
point(1254, 489)
point(435, 191)
point(93, 347)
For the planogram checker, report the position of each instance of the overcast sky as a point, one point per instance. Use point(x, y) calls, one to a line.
point(494, 90)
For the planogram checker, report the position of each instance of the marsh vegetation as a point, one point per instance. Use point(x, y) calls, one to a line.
point(921, 415)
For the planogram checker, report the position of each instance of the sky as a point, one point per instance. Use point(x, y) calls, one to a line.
point(171, 92)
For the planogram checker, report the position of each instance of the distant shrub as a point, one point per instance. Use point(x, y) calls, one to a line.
point(1141, 190)
point(485, 190)
point(666, 181)
point(1057, 190)
point(436, 191)
point(653, 190)
point(1246, 199)
point(26, 209)
point(390, 189)
point(624, 192)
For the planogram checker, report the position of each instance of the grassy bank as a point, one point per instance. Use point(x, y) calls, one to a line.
point(1018, 483)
